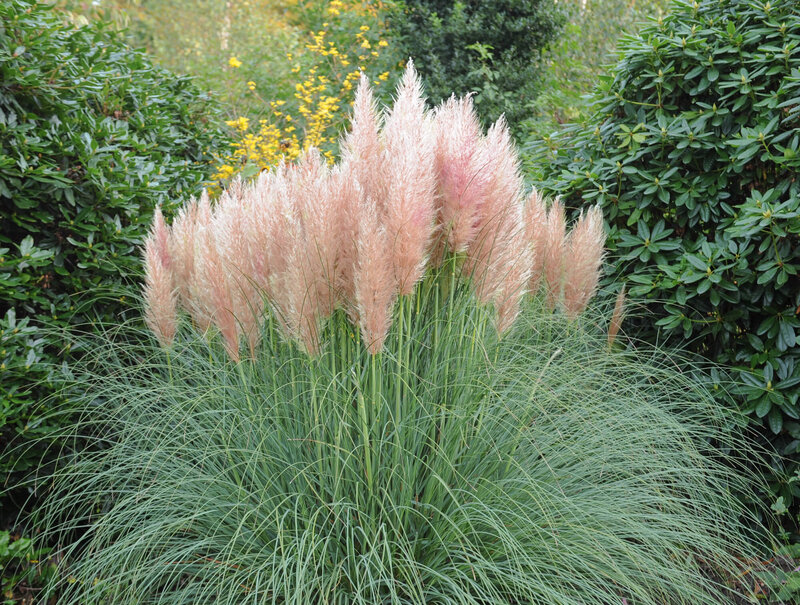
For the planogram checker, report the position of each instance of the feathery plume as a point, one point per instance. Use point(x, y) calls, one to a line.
point(362, 152)
point(199, 296)
point(211, 280)
point(229, 225)
point(514, 265)
point(181, 250)
point(375, 291)
point(320, 243)
point(535, 219)
point(584, 249)
point(616, 317)
point(345, 199)
point(461, 168)
point(161, 314)
point(410, 211)
point(500, 213)
point(554, 250)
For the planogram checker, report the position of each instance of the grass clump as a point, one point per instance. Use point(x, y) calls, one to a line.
point(367, 408)
point(451, 467)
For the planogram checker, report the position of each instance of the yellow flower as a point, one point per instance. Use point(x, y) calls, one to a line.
point(364, 28)
point(365, 44)
point(251, 85)
point(384, 76)
point(234, 62)
point(241, 124)
point(383, 43)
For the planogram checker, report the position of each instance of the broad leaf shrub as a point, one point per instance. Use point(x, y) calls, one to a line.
point(92, 136)
point(489, 48)
point(378, 413)
point(693, 153)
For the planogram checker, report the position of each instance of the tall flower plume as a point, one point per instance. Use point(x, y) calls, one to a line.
point(535, 219)
point(159, 292)
point(461, 170)
point(616, 317)
point(410, 211)
point(374, 283)
point(584, 249)
point(553, 261)
point(500, 214)
point(362, 152)
point(230, 228)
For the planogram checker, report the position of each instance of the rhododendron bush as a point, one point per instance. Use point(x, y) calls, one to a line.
point(413, 187)
point(379, 382)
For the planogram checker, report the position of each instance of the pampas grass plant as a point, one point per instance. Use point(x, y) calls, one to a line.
point(360, 403)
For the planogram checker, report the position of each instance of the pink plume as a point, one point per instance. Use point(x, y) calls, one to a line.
point(161, 301)
point(410, 210)
point(554, 250)
point(362, 151)
point(211, 293)
point(535, 218)
point(513, 265)
point(231, 235)
point(181, 249)
point(346, 198)
point(584, 248)
point(461, 169)
point(375, 290)
point(500, 214)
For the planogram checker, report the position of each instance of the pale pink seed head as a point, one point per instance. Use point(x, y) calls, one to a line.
point(535, 219)
point(514, 265)
point(160, 234)
point(501, 211)
point(374, 283)
point(320, 243)
point(229, 227)
point(212, 294)
point(181, 250)
point(345, 198)
point(616, 317)
point(160, 299)
point(362, 151)
point(585, 248)
point(554, 251)
point(410, 209)
point(461, 169)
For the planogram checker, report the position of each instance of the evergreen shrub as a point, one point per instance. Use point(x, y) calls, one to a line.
point(693, 151)
point(92, 136)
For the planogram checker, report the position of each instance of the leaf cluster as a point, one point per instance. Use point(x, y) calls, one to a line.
point(693, 151)
point(92, 136)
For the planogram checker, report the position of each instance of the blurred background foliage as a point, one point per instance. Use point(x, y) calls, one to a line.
point(581, 52)
point(492, 49)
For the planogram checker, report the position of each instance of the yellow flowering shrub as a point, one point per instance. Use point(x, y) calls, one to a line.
point(344, 40)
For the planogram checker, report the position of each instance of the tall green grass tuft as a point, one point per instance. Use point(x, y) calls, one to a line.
point(450, 468)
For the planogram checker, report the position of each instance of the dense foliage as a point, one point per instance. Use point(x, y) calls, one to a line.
point(693, 153)
point(490, 48)
point(92, 137)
